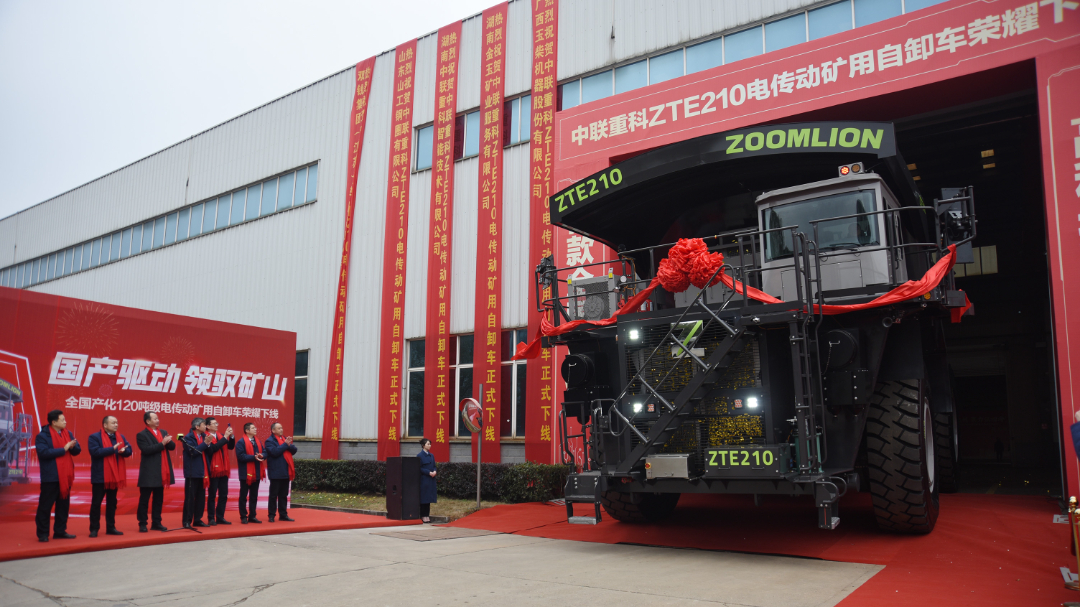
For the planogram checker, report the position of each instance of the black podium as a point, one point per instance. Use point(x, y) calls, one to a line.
point(403, 488)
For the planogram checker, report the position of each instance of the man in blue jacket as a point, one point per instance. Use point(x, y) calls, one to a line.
point(280, 470)
point(108, 473)
point(196, 443)
point(251, 470)
point(55, 450)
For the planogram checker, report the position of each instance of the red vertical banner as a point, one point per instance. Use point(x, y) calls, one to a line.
point(540, 386)
point(357, 121)
point(391, 344)
point(438, 381)
point(487, 342)
point(1059, 88)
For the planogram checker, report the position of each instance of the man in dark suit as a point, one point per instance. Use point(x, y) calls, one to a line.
point(281, 471)
point(155, 469)
point(108, 473)
point(196, 444)
point(251, 470)
point(217, 456)
point(56, 448)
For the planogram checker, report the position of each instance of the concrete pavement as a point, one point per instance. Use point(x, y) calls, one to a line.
point(356, 567)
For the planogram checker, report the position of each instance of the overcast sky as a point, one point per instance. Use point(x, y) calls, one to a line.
point(88, 87)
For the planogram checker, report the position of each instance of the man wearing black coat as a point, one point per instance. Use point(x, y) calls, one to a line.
point(155, 469)
point(196, 444)
point(55, 448)
point(108, 473)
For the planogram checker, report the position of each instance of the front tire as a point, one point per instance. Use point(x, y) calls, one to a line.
point(945, 447)
point(900, 457)
point(638, 507)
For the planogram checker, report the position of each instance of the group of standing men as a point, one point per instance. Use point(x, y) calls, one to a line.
point(206, 473)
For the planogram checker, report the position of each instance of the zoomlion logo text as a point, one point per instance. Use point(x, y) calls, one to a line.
point(804, 138)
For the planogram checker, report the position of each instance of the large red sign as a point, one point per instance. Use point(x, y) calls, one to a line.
point(487, 344)
point(438, 411)
point(91, 360)
point(357, 122)
point(391, 341)
point(938, 43)
point(1059, 89)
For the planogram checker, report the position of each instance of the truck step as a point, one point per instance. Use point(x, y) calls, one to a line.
point(582, 520)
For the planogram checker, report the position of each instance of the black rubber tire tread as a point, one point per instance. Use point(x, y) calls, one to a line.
point(638, 507)
point(899, 487)
point(947, 470)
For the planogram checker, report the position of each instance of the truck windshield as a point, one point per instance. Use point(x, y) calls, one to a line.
point(840, 234)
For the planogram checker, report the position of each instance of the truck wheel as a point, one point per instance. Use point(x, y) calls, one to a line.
point(638, 507)
point(900, 458)
point(945, 447)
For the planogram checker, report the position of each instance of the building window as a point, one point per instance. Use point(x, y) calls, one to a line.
point(872, 11)
point(632, 76)
point(785, 32)
point(414, 396)
point(516, 116)
point(424, 139)
point(512, 394)
point(704, 56)
point(462, 349)
point(743, 45)
point(472, 135)
point(245, 204)
point(597, 86)
point(829, 20)
point(300, 394)
point(666, 66)
point(569, 95)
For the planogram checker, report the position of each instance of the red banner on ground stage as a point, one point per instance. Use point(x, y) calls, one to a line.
point(487, 357)
point(357, 121)
point(397, 235)
point(930, 45)
point(91, 360)
point(1059, 88)
point(438, 410)
point(540, 379)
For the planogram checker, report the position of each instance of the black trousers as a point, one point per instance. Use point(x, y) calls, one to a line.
point(99, 492)
point(194, 500)
point(145, 493)
point(425, 509)
point(249, 497)
point(279, 497)
point(219, 490)
point(50, 495)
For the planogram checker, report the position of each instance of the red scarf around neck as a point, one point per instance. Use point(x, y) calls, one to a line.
point(219, 461)
point(166, 474)
point(256, 473)
point(65, 464)
point(288, 457)
point(115, 466)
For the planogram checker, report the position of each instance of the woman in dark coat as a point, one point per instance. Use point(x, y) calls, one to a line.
point(427, 480)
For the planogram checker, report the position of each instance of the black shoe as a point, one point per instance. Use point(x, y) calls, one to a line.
point(113, 532)
point(212, 523)
point(93, 533)
point(199, 524)
point(255, 520)
point(286, 518)
point(63, 536)
point(270, 518)
point(222, 521)
point(243, 520)
point(43, 538)
point(159, 527)
point(142, 528)
point(187, 525)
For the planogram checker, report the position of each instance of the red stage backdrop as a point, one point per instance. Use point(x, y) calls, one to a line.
point(91, 360)
point(438, 410)
point(487, 358)
point(357, 122)
point(539, 380)
point(391, 350)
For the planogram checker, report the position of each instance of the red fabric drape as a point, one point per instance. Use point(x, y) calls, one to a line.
point(65, 464)
point(219, 461)
point(288, 458)
point(695, 259)
point(115, 466)
point(255, 470)
point(166, 473)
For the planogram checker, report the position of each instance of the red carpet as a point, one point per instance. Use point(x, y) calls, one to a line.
point(986, 550)
point(18, 503)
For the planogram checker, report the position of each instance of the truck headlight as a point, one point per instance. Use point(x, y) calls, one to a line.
point(752, 402)
point(634, 335)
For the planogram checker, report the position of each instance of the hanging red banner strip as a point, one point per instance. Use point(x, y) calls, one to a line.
point(392, 327)
point(540, 385)
point(357, 121)
point(438, 408)
point(487, 342)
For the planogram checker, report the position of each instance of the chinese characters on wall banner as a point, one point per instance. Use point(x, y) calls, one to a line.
point(391, 345)
point(357, 122)
point(438, 410)
point(487, 342)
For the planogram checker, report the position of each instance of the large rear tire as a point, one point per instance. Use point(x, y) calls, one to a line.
point(638, 507)
point(945, 448)
point(900, 457)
